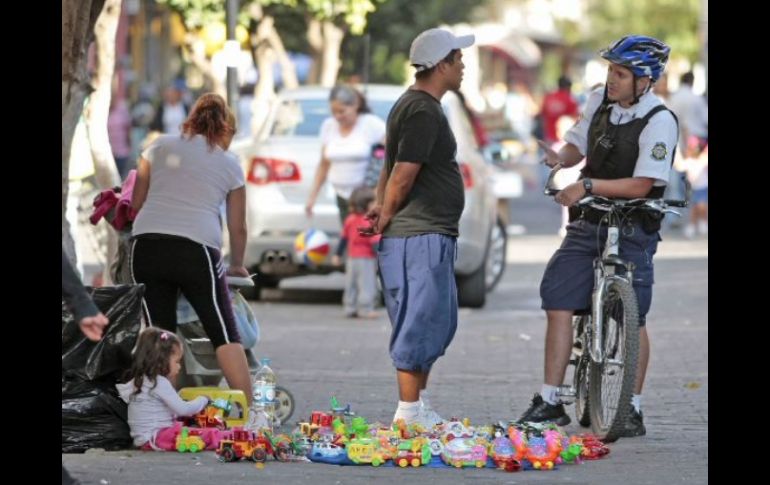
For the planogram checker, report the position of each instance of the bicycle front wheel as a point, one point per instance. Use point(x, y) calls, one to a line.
point(580, 377)
point(611, 382)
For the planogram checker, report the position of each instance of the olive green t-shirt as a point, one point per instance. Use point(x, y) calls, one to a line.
point(418, 132)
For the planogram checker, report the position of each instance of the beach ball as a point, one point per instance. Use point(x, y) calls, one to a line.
point(312, 247)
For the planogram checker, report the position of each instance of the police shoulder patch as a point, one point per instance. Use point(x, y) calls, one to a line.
point(659, 151)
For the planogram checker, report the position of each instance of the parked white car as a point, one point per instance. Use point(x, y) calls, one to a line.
point(280, 163)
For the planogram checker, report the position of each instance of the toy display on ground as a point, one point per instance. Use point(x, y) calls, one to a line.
point(340, 437)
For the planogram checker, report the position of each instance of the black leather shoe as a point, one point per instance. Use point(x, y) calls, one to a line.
point(634, 425)
point(540, 411)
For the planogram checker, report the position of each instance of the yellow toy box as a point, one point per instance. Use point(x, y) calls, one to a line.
point(238, 415)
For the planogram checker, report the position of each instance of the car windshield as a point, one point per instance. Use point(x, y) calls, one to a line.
point(303, 117)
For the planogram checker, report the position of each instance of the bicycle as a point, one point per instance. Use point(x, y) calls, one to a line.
point(606, 340)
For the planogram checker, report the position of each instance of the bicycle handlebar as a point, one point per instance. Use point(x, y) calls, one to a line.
point(239, 281)
point(604, 203)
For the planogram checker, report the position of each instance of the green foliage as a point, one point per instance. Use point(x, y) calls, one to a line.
point(197, 13)
point(352, 13)
point(672, 21)
point(391, 29)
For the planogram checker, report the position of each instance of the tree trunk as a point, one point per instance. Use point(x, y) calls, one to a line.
point(97, 113)
point(316, 41)
point(197, 50)
point(288, 69)
point(268, 45)
point(325, 40)
point(333, 36)
point(98, 107)
point(264, 91)
point(78, 19)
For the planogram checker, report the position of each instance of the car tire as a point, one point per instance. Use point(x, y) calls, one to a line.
point(496, 255)
point(472, 288)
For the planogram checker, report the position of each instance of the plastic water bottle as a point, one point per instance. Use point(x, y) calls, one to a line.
point(263, 404)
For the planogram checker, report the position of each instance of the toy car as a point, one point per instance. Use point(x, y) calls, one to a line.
point(462, 452)
point(187, 441)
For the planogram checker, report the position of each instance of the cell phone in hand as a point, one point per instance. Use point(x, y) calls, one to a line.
point(366, 231)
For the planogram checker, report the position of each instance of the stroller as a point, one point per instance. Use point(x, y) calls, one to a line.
point(199, 366)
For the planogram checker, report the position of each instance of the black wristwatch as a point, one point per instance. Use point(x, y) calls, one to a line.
point(588, 185)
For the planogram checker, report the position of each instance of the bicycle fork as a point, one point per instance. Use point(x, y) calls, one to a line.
point(602, 275)
point(595, 348)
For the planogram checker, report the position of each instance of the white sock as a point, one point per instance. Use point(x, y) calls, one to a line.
point(407, 410)
point(425, 399)
point(636, 401)
point(548, 393)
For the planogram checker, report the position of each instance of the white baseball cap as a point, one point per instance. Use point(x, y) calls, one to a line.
point(430, 47)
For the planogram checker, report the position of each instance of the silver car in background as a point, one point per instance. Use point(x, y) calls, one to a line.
point(280, 163)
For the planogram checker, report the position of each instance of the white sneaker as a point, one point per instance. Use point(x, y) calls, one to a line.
point(430, 418)
point(425, 419)
point(407, 420)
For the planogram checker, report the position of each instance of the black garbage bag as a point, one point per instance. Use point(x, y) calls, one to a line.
point(112, 354)
point(93, 414)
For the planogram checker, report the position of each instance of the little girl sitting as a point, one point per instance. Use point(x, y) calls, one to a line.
point(153, 403)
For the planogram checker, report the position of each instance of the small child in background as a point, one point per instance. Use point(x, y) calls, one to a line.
point(361, 264)
point(695, 165)
point(153, 403)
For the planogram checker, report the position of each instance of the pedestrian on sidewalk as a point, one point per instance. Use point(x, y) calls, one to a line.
point(420, 197)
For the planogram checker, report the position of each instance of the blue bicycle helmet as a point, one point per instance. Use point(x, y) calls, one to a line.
point(645, 56)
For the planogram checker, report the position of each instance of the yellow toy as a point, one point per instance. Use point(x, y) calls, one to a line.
point(365, 450)
point(238, 416)
point(189, 442)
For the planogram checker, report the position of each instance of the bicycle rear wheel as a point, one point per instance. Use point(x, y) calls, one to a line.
point(611, 382)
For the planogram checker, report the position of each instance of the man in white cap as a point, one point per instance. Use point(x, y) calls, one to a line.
point(420, 197)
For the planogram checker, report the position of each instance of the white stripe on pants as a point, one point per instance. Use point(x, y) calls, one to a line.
point(360, 284)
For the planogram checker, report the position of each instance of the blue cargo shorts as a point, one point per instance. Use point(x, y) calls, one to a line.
point(569, 277)
point(418, 282)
